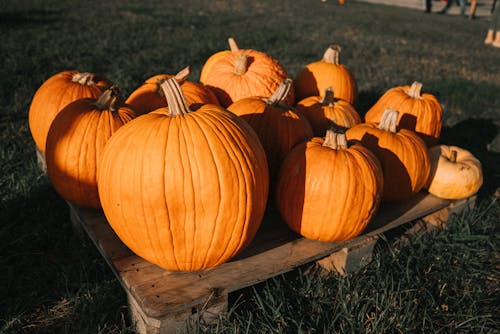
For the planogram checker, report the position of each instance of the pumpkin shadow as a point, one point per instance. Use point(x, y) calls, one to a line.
point(366, 99)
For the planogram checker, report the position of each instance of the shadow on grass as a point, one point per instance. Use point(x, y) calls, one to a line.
point(14, 19)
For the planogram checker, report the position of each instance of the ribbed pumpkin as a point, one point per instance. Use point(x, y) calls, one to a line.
point(75, 144)
point(403, 155)
point(278, 125)
point(455, 172)
point(327, 190)
point(324, 111)
point(57, 92)
point(184, 189)
point(239, 73)
point(419, 112)
point(328, 72)
point(149, 96)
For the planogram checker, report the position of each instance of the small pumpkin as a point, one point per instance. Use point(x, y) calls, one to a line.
point(324, 111)
point(56, 93)
point(278, 126)
point(328, 72)
point(149, 96)
point(328, 190)
point(403, 154)
point(75, 144)
point(455, 172)
point(419, 112)
point(196, 184)
point(239, 73)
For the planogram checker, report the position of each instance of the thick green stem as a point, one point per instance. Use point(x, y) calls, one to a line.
point(175, 98)
point(335, 140)
point(389, 120)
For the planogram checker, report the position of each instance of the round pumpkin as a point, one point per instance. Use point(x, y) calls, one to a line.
point(278, 126)
point(455, 172)
point(323, 112)
point(403, 154)
point(185, 190)
point(75, 144)
point(419, 112)
point(57, 92)
point(149, 96)
point(239, 73)
point(328, 190)
point(328, 72)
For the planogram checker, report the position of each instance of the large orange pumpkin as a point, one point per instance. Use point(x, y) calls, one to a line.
point(57, 92)
point(403, 155)
point(328, 72)
point(278, 125)
point(323, 112)
point(149, 96)
point(239, 73)
point(419, 112)
point(75, 144)
point(184, 189)
point(327, 190)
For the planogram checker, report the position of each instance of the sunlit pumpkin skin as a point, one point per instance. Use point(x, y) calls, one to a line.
point(323, 112)
point(149, 96)
point(327, 190)
point(455, 172)
point(328, 72)
point(184, 190)
point(57, 92)
point(278, 126)
point(75, 144)
point(403, 154)
point(242, 73)
point(419, 112)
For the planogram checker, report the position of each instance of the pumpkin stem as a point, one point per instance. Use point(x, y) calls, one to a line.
point(183, 74)
point(84, 78)
point(415, 90)
point(175, 99)
point(332, 54)
point(232, 45)
point(453, 156)
point(335, 139)
point(280, 94)
point(389, 120)
point(241, 64)
point(329, 99)
point(111, 99)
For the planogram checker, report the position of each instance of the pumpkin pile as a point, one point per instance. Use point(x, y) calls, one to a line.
point(184, 170)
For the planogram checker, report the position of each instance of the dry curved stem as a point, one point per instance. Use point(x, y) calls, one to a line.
point(232, 45)
point(280, 93)
point(415, 90)
point(175, 99)
point(335, 140)
point(84, 78)
point(332, 54)
point(329, 99)
point(111, 99)
point(389, 120)
point(183, 74)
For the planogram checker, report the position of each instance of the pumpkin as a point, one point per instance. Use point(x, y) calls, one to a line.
point(419, 112)
point(323, 112)
point(278, 126)
point(328, 190)
point(75, 144)
point(149, 96)
point(313, 79)
point(239, 73)
point(455, 172)
point(185, 190)
point(57, 92)
point(404, 156)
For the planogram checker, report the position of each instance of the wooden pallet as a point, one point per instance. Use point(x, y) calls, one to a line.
point(161, 301)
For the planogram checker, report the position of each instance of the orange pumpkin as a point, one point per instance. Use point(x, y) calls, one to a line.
point(403, 155)
point(327, 190)
point(278, 126)
point(455, 172)
point(75, 144)
point(328, 72)
point(419, 112)
point(184, 189)
point(149, 96)
point(57, 92)
point(236, 74)
point(323, 112)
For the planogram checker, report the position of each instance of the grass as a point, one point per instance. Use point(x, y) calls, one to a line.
point(53, 281)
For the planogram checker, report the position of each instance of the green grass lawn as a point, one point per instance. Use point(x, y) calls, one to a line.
point(54, 281)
